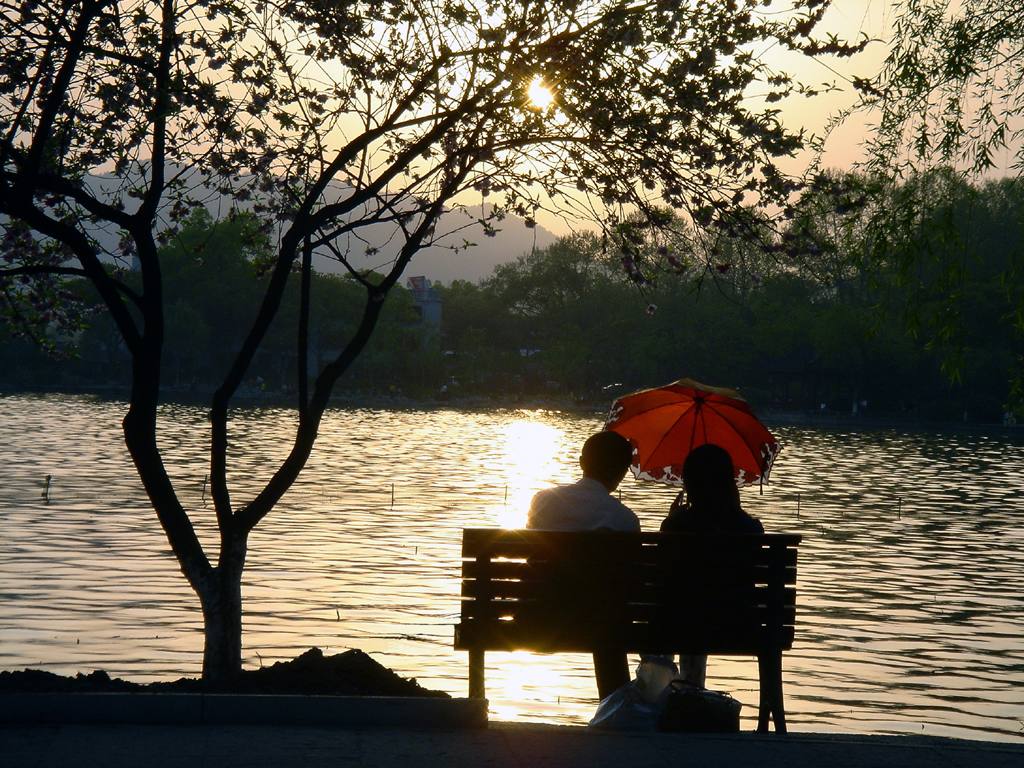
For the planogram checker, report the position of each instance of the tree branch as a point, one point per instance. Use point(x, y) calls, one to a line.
point(343, 260)
point(43, 269)
point(303, 339)
point(151, 201)
point(139, 424)
point(61, 82)
point(48, 182)
point(426, 141)
point(257, 509)
point(354, 148)
point(124, 58)
point(219, 406)
point(107, 287)
point(272, 297)
point(139, 428)
point(8, 143)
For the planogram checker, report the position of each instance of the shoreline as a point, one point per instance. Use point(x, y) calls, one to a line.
point(352, 400)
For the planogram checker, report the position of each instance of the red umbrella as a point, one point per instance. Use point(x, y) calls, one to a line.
point(666, 423)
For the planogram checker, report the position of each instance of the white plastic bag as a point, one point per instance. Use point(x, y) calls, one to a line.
point(653, 674)
point(637, 705)
point(624, 709)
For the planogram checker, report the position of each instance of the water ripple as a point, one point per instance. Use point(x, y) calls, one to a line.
point(911, 584)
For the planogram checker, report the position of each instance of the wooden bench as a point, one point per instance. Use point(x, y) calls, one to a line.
point(639, 592)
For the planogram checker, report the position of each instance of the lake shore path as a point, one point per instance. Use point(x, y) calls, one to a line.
point(515, 745)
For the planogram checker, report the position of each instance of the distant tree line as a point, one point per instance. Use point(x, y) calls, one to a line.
point(836, 315)
point(213, 279)
point(923, 322)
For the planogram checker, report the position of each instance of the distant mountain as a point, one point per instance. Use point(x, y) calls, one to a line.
point(438, 263)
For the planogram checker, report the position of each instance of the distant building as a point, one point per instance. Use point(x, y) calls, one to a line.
point(426, 301)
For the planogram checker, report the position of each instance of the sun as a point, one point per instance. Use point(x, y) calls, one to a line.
point(539, 94)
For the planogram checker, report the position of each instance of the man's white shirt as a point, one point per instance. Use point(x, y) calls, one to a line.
point(582, 506)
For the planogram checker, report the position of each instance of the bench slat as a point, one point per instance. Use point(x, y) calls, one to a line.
point(474, 538)
point(505, 636)
point(747, 592)
point(497, 542)
point(688, 616)
point(501, 570)
point(646, 557)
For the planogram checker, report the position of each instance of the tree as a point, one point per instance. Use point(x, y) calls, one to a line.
point(934, 252)
point(951, 89)
point(334, 120)
point(948, 101)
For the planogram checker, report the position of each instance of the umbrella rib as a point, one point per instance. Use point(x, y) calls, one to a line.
point(741, 407)
point(746, 445)
point(699, 415)
point(679, 398)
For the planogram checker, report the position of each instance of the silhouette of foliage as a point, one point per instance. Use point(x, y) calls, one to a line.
point(951, 90)
point(948, 104)
point(329, 120)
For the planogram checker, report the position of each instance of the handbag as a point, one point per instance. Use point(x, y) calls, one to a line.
point(690, 709)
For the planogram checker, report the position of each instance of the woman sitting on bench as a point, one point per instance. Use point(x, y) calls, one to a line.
point(709, 503)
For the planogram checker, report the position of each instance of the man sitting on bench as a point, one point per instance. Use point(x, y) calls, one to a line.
point(588, 505)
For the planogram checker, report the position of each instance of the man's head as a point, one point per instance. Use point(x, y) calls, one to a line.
point(605, 457)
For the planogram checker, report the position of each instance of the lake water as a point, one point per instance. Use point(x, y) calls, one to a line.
point(911, 575)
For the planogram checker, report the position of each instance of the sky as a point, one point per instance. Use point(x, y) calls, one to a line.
point(850, 20)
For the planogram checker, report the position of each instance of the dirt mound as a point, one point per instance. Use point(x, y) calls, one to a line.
point(352, 673)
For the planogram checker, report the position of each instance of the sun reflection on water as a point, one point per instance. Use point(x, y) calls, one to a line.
point(529, 449)
point(530, 683)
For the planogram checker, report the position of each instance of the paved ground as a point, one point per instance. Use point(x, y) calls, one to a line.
point(502, 744)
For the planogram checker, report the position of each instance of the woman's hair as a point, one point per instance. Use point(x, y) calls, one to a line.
point(710, 481)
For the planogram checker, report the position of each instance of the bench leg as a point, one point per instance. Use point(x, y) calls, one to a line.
point(763, 704)
point(779, 711)
point(476, 674)
point(769, 669)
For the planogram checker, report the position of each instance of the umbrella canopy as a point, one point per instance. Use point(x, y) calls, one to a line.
point(666, 423)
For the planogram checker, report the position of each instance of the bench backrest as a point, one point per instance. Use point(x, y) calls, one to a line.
point(642, 592)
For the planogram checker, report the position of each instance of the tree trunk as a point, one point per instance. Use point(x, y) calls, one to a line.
point(221, 599)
